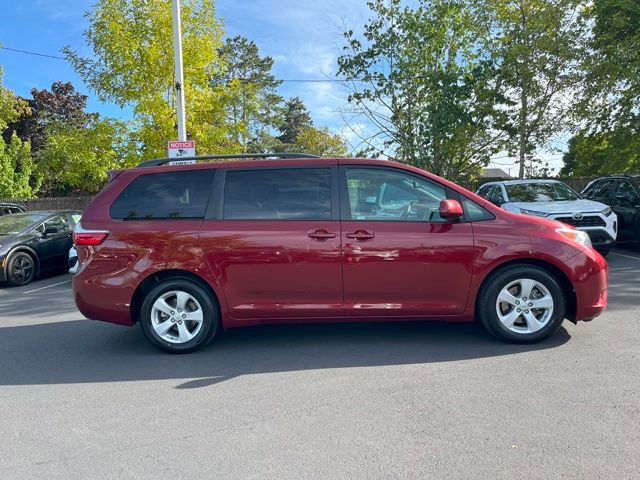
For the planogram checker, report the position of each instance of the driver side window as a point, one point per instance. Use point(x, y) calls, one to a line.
point(625, 189)
point(387, 195)
point(495, 195)
point(58, 222)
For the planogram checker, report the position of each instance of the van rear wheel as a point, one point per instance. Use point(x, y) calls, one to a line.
point(522, 304)
point(179, 316)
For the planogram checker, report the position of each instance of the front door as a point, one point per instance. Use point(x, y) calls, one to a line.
point(626, 204)
point(275, 242)
point(53, 242)
point(400, 257)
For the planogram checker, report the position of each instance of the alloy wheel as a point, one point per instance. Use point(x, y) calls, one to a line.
point(524, 306)
point(176, 316)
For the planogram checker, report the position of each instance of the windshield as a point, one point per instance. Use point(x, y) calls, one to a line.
point(540, 192)
point(19, 222)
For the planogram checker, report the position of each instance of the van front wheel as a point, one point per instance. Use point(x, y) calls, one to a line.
point(522, 304)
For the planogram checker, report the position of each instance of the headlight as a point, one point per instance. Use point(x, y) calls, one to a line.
point(533, 212)
point(577, 236)
point(607, 211)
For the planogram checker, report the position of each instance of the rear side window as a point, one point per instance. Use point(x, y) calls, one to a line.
point(278, 194)
point(165, 195)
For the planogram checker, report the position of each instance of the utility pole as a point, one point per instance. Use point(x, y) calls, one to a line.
point(179, 77)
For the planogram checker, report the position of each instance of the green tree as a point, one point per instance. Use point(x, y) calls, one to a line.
point(538, 45)
point(16, 164)
point(254, 108)
point(132, 65)
point(16, 169)
point(61, 104)
point(423, 83)
point(613, 151)
point(611, 98)
point(295, 117)
point(320, 141)
point(76, 159)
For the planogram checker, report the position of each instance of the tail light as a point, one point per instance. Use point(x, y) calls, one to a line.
point(82, 236)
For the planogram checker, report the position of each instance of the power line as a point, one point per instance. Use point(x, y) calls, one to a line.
point(32, 53)
point(286, 80)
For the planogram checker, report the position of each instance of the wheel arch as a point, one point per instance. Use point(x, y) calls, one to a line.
point(25, 249)
point(155, 278)
point(553, 270)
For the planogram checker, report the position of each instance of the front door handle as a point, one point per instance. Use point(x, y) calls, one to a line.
point(361, 235)
point(321, 235)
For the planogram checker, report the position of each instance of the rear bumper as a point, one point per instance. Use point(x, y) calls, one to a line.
point(101, 302)
point(590, 282)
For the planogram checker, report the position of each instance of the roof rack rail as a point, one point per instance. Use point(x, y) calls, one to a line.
point(163, 161)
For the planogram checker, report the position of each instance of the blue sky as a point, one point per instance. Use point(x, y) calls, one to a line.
point(303, 37)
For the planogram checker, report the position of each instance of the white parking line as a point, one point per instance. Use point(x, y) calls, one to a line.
point(48, 286)
point(625, 256)
point(621, 268)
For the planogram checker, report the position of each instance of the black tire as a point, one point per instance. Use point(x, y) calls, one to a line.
point(604, 251)
point(488, 309)
point(210, 316)
point(21, 269)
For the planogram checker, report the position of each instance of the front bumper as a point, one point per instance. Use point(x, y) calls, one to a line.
point(590, 283)
point(600, 238)
point(602, 230)
point(3, 268)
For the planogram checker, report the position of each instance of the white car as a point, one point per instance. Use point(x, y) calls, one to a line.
point(73, 260)
point(555, 200)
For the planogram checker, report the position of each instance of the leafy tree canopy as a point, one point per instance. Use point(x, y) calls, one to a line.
point(420, 77)
point(132, 65)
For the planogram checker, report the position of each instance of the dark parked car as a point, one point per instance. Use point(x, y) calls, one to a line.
point(9, 208)
point(622, 194)
point(34, 242)
point(186, 250)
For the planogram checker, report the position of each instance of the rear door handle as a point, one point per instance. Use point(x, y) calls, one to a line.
point(361, 235)
point(321, 235)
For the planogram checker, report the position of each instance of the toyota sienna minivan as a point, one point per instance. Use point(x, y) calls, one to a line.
point(241, 240)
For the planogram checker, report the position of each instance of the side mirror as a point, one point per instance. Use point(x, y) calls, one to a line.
point(450, 209)
point(51, 230)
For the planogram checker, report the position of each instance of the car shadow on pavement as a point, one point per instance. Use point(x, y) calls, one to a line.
point(84, 351)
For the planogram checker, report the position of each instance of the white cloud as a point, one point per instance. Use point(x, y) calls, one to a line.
point(304, 38)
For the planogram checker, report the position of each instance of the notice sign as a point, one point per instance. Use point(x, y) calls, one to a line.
point(181, 149)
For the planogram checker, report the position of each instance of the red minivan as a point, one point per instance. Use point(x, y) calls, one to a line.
point(185, 250)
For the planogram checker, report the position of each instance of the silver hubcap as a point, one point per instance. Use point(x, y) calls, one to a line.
point(176, 316)
point(524, 306)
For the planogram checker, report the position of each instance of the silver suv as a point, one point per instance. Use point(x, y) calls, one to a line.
point(557, 201)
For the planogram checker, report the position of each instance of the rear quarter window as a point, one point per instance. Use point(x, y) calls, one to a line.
point(167, 195)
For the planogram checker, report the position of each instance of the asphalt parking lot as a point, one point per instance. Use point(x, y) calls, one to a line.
point(82, 399)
